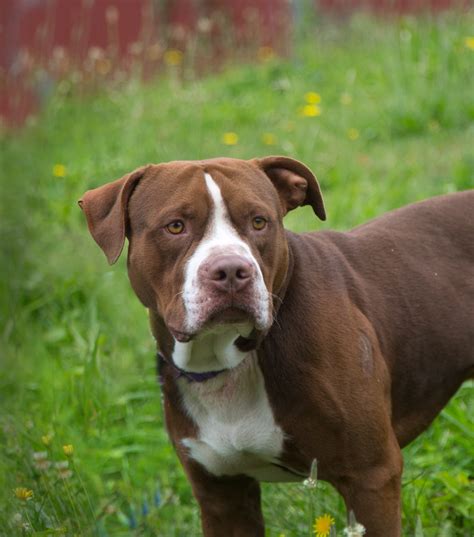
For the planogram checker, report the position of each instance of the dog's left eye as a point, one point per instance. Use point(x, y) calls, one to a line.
point(259, 223)
point(176, 227)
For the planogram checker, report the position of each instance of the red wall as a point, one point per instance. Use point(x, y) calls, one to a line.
point(57, 35)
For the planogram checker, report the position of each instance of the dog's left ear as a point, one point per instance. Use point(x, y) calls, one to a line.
point(106, 212)
point(296, 184)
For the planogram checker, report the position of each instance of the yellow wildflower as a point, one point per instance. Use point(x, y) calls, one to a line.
point(353, 134)
point(173, 57)
point(311, 110)
point(322, 525)
point(312, 97)
point(230, 138)
point(23, 494)
point(68, 450)
point(265, 54)
point(46, 439)
point(269, 139)
point(469, 42)
point(59, 170)
point(346, 99)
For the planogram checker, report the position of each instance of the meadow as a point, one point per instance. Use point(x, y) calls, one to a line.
point(381, 110)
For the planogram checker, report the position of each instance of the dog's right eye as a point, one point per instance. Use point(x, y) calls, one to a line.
point(259, 223)
point(175, 227)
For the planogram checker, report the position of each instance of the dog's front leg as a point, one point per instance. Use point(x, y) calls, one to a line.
point(374, 495)
point(230, 506)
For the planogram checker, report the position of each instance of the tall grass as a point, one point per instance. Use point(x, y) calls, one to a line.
point(394, 125)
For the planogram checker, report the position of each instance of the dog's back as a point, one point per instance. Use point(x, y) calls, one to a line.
point(410, 272)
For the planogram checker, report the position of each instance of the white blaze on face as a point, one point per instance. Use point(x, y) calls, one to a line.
point(221, 237)
point(237, 432)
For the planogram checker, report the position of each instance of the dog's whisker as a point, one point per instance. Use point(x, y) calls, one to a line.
point(177, 294)
point(276, 297)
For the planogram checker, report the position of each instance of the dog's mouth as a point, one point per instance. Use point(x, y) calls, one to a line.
point(238, 315)
point(230, 315)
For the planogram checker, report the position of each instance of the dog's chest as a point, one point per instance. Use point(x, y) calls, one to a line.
point(237, 432)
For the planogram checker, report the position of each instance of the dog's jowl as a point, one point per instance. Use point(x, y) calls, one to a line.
point(277, 348)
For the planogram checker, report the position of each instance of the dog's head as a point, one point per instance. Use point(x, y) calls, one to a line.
point(206, 239)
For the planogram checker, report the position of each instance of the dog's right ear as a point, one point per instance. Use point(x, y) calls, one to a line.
point(106, 212)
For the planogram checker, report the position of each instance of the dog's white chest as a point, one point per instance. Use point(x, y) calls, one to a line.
point(237, 433)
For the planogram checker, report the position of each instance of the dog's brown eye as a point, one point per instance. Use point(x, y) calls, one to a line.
point(176, 227)
point(259, 223)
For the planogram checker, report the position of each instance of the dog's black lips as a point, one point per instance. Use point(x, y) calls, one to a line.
point(182, 337)
point(247, 344)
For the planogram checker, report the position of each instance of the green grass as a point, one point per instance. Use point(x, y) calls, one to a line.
point(77, 359)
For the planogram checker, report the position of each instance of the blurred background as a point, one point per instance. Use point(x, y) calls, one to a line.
point(376, 96)
point(91, 42)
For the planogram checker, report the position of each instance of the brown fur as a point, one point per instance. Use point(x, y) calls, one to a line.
point(373, 336)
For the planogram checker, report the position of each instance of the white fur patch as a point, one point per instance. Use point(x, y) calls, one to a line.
point(236, 430)
point(220, 238)
point(237, 433)
point(212, 350)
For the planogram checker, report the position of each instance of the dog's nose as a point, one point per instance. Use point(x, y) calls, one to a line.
point(230, 273)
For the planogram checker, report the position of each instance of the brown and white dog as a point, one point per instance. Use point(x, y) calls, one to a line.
point(278, 348)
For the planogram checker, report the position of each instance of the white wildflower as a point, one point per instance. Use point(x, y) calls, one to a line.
point(312, 481)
